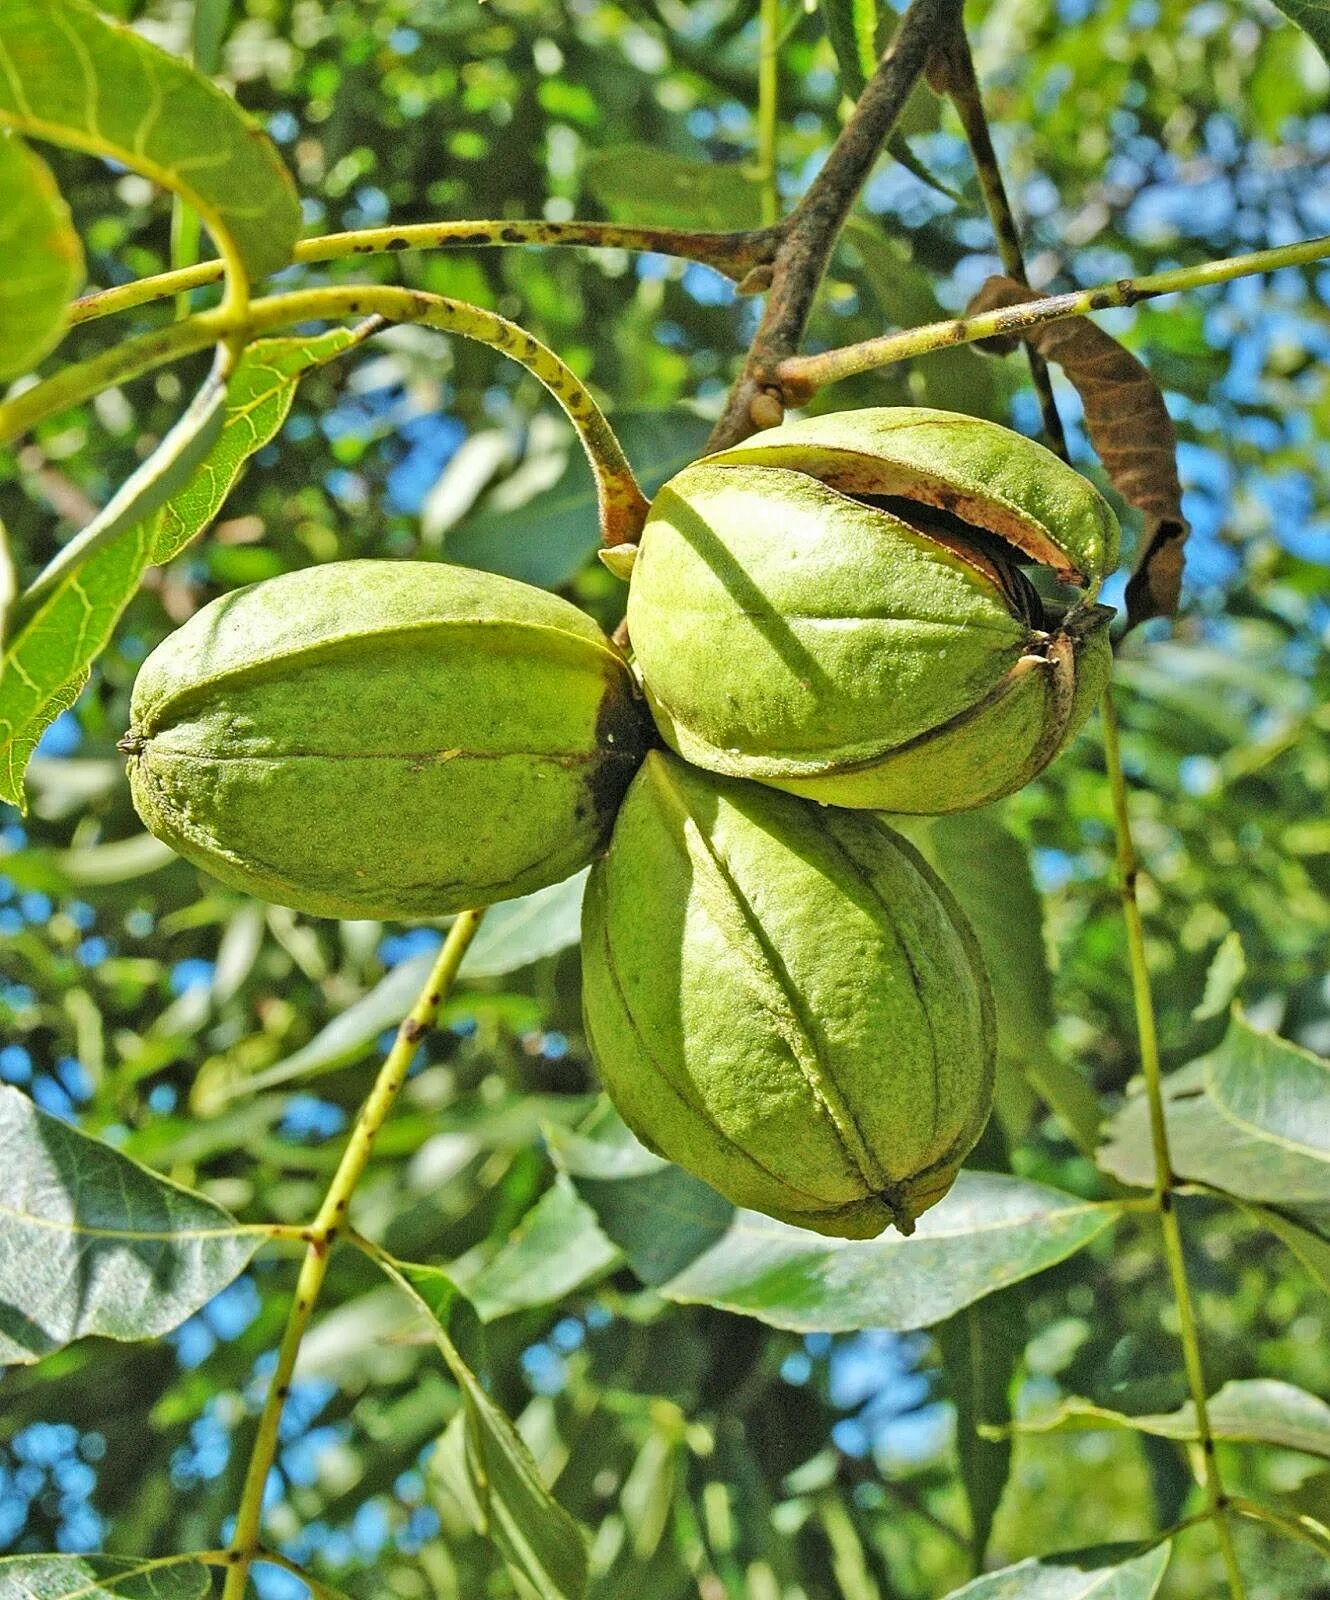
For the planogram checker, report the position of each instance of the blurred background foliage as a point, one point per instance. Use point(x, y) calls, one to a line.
point(226, 1043)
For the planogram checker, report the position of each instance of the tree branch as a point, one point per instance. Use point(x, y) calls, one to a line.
point(952, 73)
point(800, 376)
point(733, 254)
point(814, 225)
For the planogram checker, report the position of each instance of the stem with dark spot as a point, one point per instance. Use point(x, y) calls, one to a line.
point(323, 1232)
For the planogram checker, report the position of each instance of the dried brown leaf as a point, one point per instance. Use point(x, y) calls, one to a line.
point(1130, 429)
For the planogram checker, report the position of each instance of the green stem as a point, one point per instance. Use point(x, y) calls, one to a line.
point(623, 506)
point(768, 103)
point(317, 1588)
point(322, 1234)
point(962, 86)
point(1304, 1528)
point(734, 254)
point(1164, 1197)
point(801, 376)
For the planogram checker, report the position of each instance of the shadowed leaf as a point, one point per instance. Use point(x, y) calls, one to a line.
point(483, 1462)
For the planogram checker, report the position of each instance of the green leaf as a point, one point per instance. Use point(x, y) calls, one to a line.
point(1245, 1411)
point(649, 1490)
point(959, 379)
point(646, 187)
point(517, 932)
point(70, 76)
point(547, 541)
point(8, 588)
point(990, 1231)
point(1272, 1089)
point(211, 20)
point(47, 663)
point(852, 29)
point(1109, 1573)
point(1252, 1118)
point(660, 1216)
point(103, 1578)
point(42, 255)
point(484, 1463)
point(558, 1248)
point(1313, 17)
point(165, 473)
point(525, 930)
point(981, 1348)
point(988, 870)
point(1309, 1247)
point(93, 1243)
point(680, 1236)
point(1228, 967)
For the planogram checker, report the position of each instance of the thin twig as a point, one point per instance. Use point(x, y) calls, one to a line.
point(323, 1232)
point(952, 70)
point(623, 506)
point(1165, 1200)
point(768, 104)
point(815, 224)
point(1301, 1527)
point(801, 376)
point(733, 254)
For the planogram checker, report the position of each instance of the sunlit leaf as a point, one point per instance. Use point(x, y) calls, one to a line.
point(167, 472)
point(557, 1248)
point(517, 932)
point(43, 259)
point(990, 1231)
point(1227, 969)
point(1251, 1118)
point(852, 29)
point(70, 76)
point(1272, 1088)
point(1123, 1573)
point(47, 662)
point(102, 1578)
point(1246, 1411)
point(93, 1243)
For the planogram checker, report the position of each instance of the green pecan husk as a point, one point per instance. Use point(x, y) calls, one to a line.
point(786, 1000)
point(837, 607)
point(385, 739)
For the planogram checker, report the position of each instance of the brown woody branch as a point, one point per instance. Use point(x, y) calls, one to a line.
point(814, 225)
point(951, 72)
